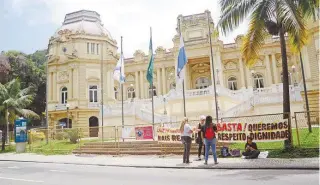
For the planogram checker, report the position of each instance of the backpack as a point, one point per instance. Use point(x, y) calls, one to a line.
point(209, 133)
point(235, 153)
point(225, 152)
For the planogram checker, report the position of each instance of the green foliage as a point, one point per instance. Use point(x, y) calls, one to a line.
point(74, 135)
point(36, 136)
point(30, 69)
point(61, 136)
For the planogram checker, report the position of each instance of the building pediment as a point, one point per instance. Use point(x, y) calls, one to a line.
point(93, 79)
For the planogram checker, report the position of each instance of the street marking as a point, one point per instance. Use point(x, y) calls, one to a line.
point(58, 171)
point(13, 167)
point(24, 180)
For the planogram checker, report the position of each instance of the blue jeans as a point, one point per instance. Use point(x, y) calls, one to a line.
point(210, 143)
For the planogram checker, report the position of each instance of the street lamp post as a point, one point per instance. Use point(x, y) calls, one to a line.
point(68, 106)
point(164, 106)
point(294, 76)
point(218, 80)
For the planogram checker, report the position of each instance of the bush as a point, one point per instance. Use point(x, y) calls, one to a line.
point(37, 136)
point(73, 134)
point(61, 135)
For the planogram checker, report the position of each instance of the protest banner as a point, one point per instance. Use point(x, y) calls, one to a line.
point(144, 133)
point(235, 132)
point(172, 134)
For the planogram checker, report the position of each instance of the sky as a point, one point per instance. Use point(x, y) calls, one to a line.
point(27, 25)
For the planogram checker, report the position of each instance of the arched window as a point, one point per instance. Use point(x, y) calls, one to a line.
point(202, 83)
point(93, 94)
point(232, 83)
point(131, 93)
point(290, 78)
point(64, 95)
point(154, 91)
point(258, 81)
point(115, 92)
point(173, 85)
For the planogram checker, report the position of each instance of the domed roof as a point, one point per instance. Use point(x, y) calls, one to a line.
point(83, 22)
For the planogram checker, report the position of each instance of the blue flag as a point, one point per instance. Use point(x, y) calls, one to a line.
point(182, 61)
point(151, 61)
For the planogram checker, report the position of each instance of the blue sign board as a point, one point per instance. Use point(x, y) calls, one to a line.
point(20, 131)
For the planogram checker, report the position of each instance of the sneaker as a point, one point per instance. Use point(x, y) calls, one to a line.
point(199, 159)
point(206, 163)
point(216, 163)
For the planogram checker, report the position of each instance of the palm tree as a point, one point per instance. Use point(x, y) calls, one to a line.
point(275, 17)
point(13, 100)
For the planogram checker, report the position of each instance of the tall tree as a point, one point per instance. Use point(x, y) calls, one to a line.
point(275, 17)
point(14, 100)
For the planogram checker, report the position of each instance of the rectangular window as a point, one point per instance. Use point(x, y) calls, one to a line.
point(97, 49)
point(93, 94)
point(92, 48)
point(88, 47)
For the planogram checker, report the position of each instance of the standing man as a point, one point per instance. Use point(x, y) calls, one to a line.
point(199, 139)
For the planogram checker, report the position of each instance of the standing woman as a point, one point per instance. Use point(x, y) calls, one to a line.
point(186, 133)
point(209, 136)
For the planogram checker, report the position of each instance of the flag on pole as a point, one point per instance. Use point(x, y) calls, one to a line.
point(151, 61)
point(182, 61)
point(118, 73)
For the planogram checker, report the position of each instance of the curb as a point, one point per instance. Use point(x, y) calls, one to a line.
point(172, 167)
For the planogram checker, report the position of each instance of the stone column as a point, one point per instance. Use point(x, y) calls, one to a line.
point(142, 85)
point(274, 68)
point(136, 77)
point(54, 88)
point(269, 74)
point(50, 84)
point(75, 83)
point(243, 84)
point(220, 67)
point(159, 89)
point(249, 77)
point(211, 71)
point(306, 63)
point(164, 82)
point(70, 87)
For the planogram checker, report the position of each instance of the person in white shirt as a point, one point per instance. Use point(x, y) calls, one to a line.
point(186, 134)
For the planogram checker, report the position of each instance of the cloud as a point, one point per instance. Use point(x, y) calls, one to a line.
point(127, 18)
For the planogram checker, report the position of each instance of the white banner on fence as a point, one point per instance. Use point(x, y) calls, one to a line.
point(126, 131)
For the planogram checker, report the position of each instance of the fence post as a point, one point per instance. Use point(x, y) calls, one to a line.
point(297, 129)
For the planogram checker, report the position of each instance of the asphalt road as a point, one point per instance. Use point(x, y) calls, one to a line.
point(15, 173)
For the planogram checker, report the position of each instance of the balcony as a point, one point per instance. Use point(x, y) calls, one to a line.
point(93, 106)
point(61, 107)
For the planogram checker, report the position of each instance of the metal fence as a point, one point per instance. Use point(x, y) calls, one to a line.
point(111, 138)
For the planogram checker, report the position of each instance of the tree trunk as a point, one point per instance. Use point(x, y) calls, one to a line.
point(285, 76)
point(4, 131)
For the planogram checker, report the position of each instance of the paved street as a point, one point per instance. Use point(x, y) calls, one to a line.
point(23, 173)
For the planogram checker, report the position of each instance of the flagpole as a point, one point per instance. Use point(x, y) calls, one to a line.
point(121, 85)
point(102, 91)
point(213, 70)
point(183, 91)
point(152, 90)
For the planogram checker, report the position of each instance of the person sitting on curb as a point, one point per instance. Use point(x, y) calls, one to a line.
point(251, 149)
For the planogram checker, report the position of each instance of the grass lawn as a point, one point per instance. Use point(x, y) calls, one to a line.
point(309, 145)
point(56, 147)
point(8, 149)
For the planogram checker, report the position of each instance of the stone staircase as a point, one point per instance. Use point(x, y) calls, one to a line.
point(135, 148)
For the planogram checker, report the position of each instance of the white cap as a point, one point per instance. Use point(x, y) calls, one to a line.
point(202, 117)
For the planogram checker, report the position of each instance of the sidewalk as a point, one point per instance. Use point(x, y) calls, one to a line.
point(165, 162)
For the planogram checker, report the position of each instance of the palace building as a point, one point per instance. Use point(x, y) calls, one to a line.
point(83, 55)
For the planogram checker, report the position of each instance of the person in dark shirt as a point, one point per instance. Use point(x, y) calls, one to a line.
point(251, 149)
point(199, 139)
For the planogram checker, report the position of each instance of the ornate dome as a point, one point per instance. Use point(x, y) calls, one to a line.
point(83, 22)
